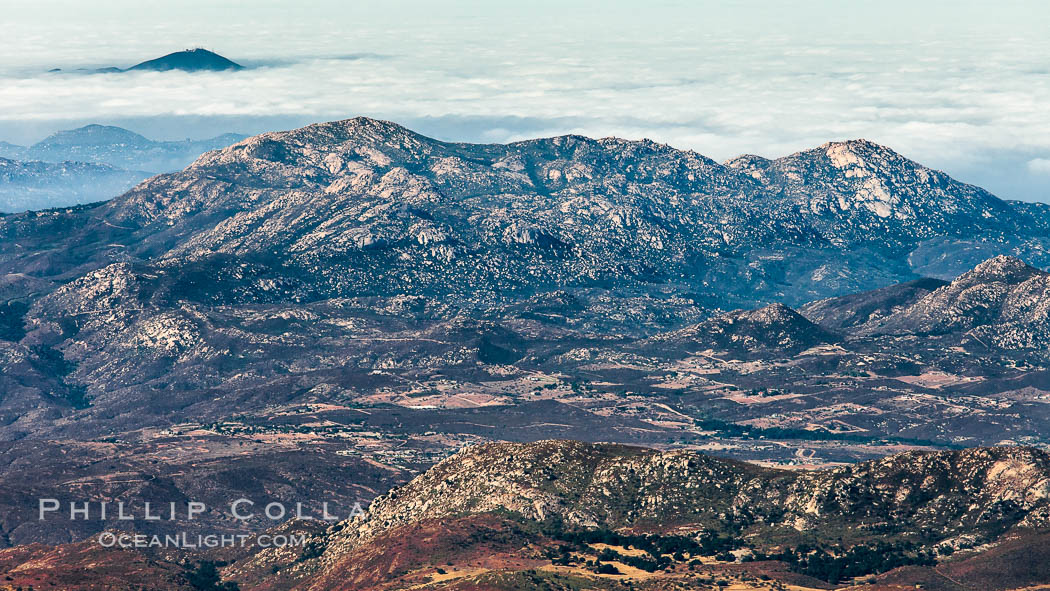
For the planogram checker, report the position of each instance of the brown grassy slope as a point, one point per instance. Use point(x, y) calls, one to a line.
point(86, 566)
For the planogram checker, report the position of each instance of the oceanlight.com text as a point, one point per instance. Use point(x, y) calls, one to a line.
point(185, 541)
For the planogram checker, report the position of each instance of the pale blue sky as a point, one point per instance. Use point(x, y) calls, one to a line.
point(961, 86)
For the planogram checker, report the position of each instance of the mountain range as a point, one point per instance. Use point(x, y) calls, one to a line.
point(476, 221)
point(292, 264)
point(353, 295)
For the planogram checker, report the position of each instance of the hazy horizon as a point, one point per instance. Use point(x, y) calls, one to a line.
point(956, 86)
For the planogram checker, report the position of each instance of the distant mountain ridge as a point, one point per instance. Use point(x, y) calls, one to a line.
point(117, 147)
point(43, 185)
point(774, 329)
point(92, 135)
point(90, 163)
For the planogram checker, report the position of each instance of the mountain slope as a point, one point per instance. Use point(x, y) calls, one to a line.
point(87, 567)
point(851, 312)
point(546, 515)
point(1002, 301)
point(618, 486)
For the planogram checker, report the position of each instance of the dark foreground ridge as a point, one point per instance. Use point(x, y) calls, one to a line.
point(572, 516)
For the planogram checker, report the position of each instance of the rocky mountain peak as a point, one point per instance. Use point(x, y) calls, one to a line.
point(1005, 269)
point(747, 161)
point(361, 129)
point(858, 152)
point(860, 177)
point(323, 152)
point(772, 314)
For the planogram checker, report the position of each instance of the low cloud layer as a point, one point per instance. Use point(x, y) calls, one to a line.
point(1040, 166)
point(962, 95)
